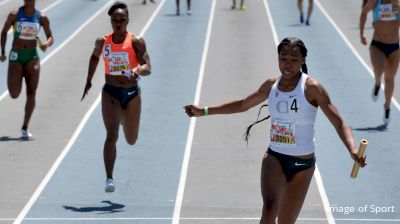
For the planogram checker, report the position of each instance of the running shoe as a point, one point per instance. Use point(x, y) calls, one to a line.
point(26, 134)
point(307, 22)
point(178, 12)
point(375, 93)
point(109, 185)
point(242, 7)
point(189, 12)
point(233, 7)
point(301, 18)
point(386, 117)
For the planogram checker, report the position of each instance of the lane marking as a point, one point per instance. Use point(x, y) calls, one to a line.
point(189, 142)
point(198, 218)
point(317, 174)
point(4, 2)
point(81, 125)
point(358, 56)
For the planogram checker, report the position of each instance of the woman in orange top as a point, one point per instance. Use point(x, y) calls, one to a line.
point(125, 59)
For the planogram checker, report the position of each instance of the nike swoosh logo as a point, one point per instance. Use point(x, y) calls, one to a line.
point(292, 96)
point(130, 93)
point(299, 164)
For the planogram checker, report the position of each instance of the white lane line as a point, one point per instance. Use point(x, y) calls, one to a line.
point(199, 218)
point(81, 125)
point(189, 142)
point(3, 95)
point(4, 2)
point(358, 56)
point(317, 175)
point(55, 165)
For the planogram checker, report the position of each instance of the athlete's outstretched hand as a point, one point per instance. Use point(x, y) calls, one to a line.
point(87, 87)
point(193, 110)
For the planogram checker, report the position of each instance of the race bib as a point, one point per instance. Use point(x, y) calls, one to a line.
point(283, 133)
point(13, 55)
point(118, 63)
point(28, 30)
point(388, 11)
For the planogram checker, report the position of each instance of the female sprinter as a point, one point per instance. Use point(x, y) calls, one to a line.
point(289, 162)
point(384, 48)
point(125, 59)
point(24, 59)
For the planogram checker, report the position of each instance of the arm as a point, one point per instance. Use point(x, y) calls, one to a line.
point(7, 25)
point(142, 56)
point(94, 61)
point(46, 27)
point(318, 95)
point(235, 106)
point(363, 17)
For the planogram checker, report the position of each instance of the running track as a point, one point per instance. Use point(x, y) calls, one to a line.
point(182, 170)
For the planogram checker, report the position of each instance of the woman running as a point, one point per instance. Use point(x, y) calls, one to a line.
point(24, 60)
point(178, 11)
point(384, 48)
point(125, 59)
point(309, 10)
point(289, 163)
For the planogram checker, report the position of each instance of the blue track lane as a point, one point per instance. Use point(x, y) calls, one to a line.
point(332, 63)
point(146, 174)
point(65, 18)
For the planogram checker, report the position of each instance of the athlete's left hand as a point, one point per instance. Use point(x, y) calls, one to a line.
point(43, 47)
point(362, 161)
point(87, 87)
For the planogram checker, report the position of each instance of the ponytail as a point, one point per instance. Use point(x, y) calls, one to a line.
point(247, 133)
point(304, 68)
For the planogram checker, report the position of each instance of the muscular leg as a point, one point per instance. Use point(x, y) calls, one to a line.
point(273, 183)
point(32, 70)
point(378, 63)
point(131, 120)
point(14, 79)
point(111, 110)
point(177, 7)
point(392, 63)
point(300, 6)
point(310, 9)
point(294, 195)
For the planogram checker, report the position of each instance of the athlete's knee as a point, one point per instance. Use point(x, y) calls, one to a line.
point(270, 209)
point(131, 140)
point(14, 94)
point(112, 138)
point(389, 79)
point(30, 92)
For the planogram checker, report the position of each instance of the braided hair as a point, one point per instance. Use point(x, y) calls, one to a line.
point(291, 42)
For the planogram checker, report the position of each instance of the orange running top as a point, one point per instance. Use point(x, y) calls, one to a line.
point(119, 59)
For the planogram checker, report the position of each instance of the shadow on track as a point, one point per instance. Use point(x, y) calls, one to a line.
point(109, 208)
point(8, 138)
point(378, 128)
